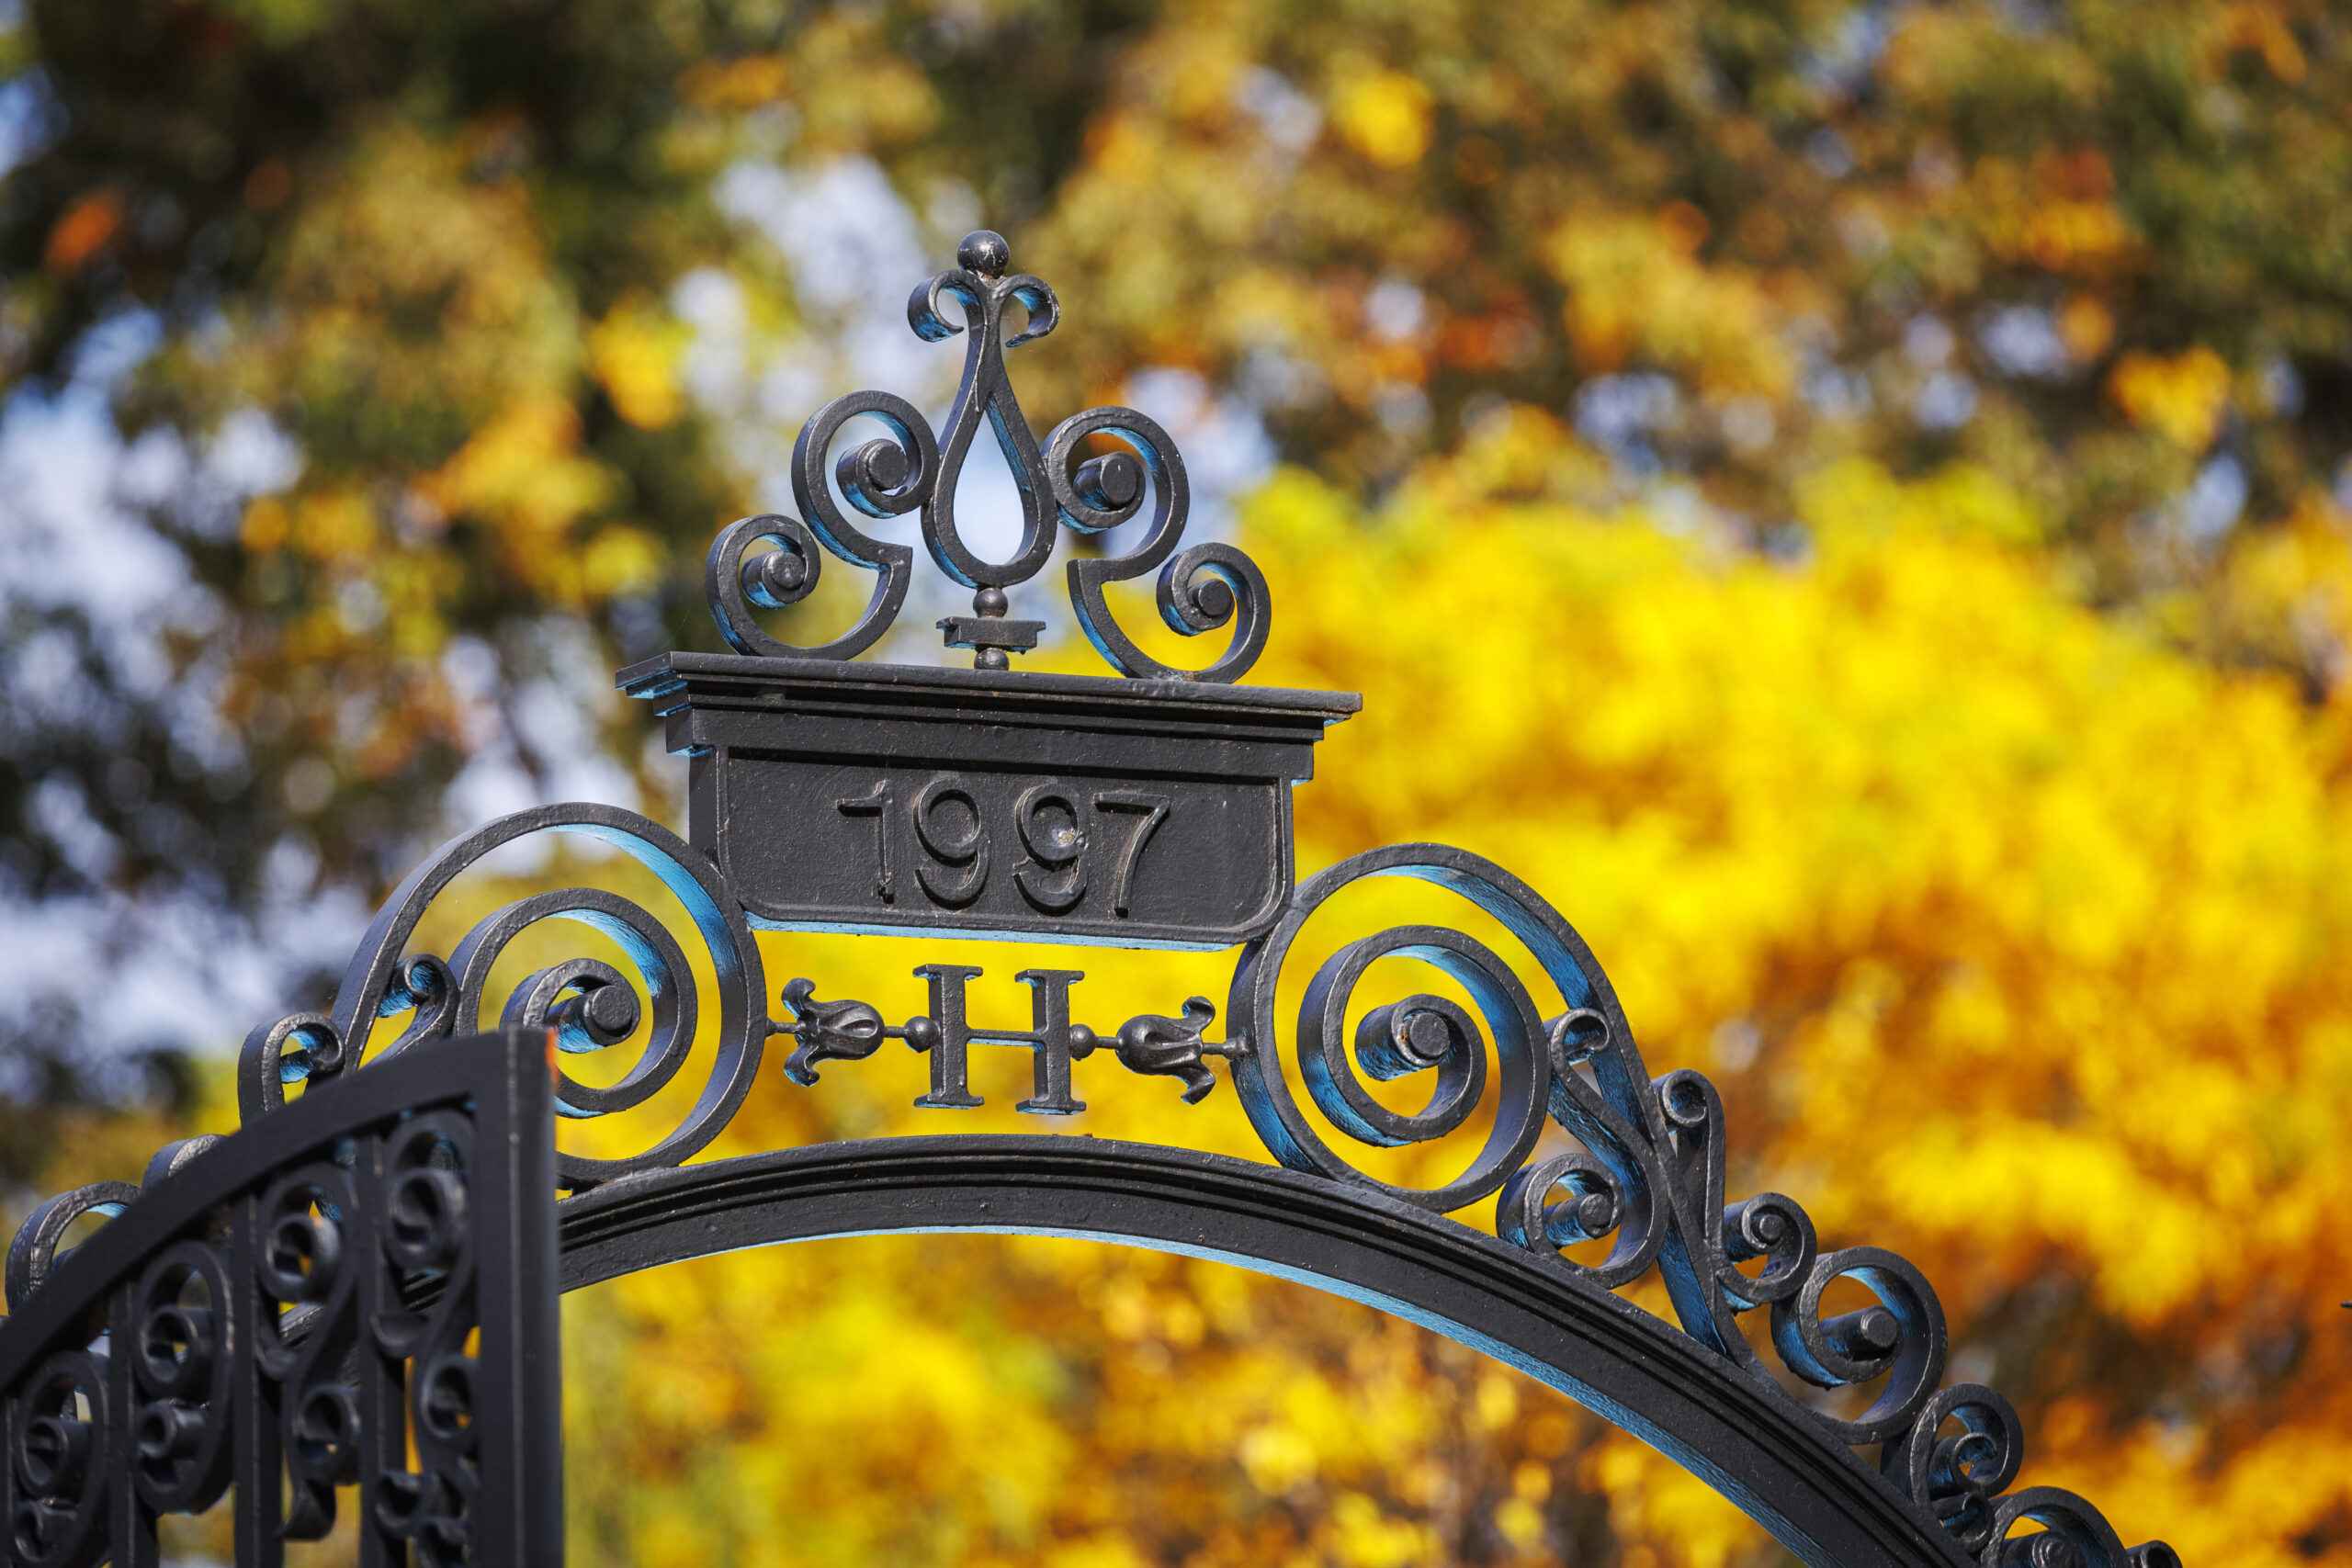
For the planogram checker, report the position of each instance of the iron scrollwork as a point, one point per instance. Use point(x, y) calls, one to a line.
point(1642, 1168)
point(589, 1004)
point(297, 1316)
point(1062, 484)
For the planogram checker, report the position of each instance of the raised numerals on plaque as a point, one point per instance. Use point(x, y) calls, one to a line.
point(833, 846)
point(1066, 836)
point(859, 798)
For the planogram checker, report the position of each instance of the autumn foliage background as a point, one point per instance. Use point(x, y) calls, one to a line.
point(1849, 500)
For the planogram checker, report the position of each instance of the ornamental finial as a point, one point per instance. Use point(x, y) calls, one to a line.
point(984, 251)
point(906, 465)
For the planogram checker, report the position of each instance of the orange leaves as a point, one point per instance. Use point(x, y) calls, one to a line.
point(1887, 826)
point(269, 184)
point(2058, 212)
point(85, 226)
point(1506, 338)
point(2085, 326)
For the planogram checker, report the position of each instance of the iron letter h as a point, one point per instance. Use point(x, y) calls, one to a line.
point(946, 1036)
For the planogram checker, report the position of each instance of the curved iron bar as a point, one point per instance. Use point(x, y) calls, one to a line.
point(1564, 1331)
point(1199, 589)
point(588, 1004)
point(1647, 1173)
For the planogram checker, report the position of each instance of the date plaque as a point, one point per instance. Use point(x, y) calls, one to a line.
point(839, 797)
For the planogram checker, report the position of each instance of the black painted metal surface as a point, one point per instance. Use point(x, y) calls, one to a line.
point(285, 1312)
point(286, 1309)
point(872, 797)
point(1066, 483)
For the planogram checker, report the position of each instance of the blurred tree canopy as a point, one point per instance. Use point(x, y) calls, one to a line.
point(1907, 442)
point(2098, 249)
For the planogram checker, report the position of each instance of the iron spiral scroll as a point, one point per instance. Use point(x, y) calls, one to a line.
point(1062, 484)
point(588, 1004)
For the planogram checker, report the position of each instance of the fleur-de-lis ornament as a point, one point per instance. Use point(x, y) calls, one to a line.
point(1067, 482)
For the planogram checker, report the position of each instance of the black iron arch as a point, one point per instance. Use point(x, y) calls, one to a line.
point(1809, 1490)
point(359, 1287)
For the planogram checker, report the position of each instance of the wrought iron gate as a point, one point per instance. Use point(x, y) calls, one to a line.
point(359, 1288)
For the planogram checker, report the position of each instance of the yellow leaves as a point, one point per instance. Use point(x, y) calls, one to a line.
point(619, 560)
point(634, 352)
point(1658, 1504)
point(1278, 1460)
point(2258, 26)
point(524, 475)
point(1385, 115)
point(1095, 1551)
point(264, 525)
point(2075, 236)
point(333, 525)
point(336, 524)
point(2079, 1191)
point(1855, 508)
point(415, 586)
point(1521, 1522)
point(1520, 1517)
point(1513, 454)
point(855, 93)
point(744, 83)
point(1198, 76)
point(1497, 1402)
point(2182, 398)
point(2029, 849)
point(409, 302)
point(1121, 148)
point(1637, 287)
point(2062, 909)
point(2290, 587)
point(1936, 54)
point(1360, 1536)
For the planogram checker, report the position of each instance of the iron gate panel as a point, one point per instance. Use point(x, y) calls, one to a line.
point(285, 1312)
point(289, 1307)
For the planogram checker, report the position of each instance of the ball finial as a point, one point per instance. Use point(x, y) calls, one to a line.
point(984, 252)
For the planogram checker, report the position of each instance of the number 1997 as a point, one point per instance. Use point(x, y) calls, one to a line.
point(952, 831)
